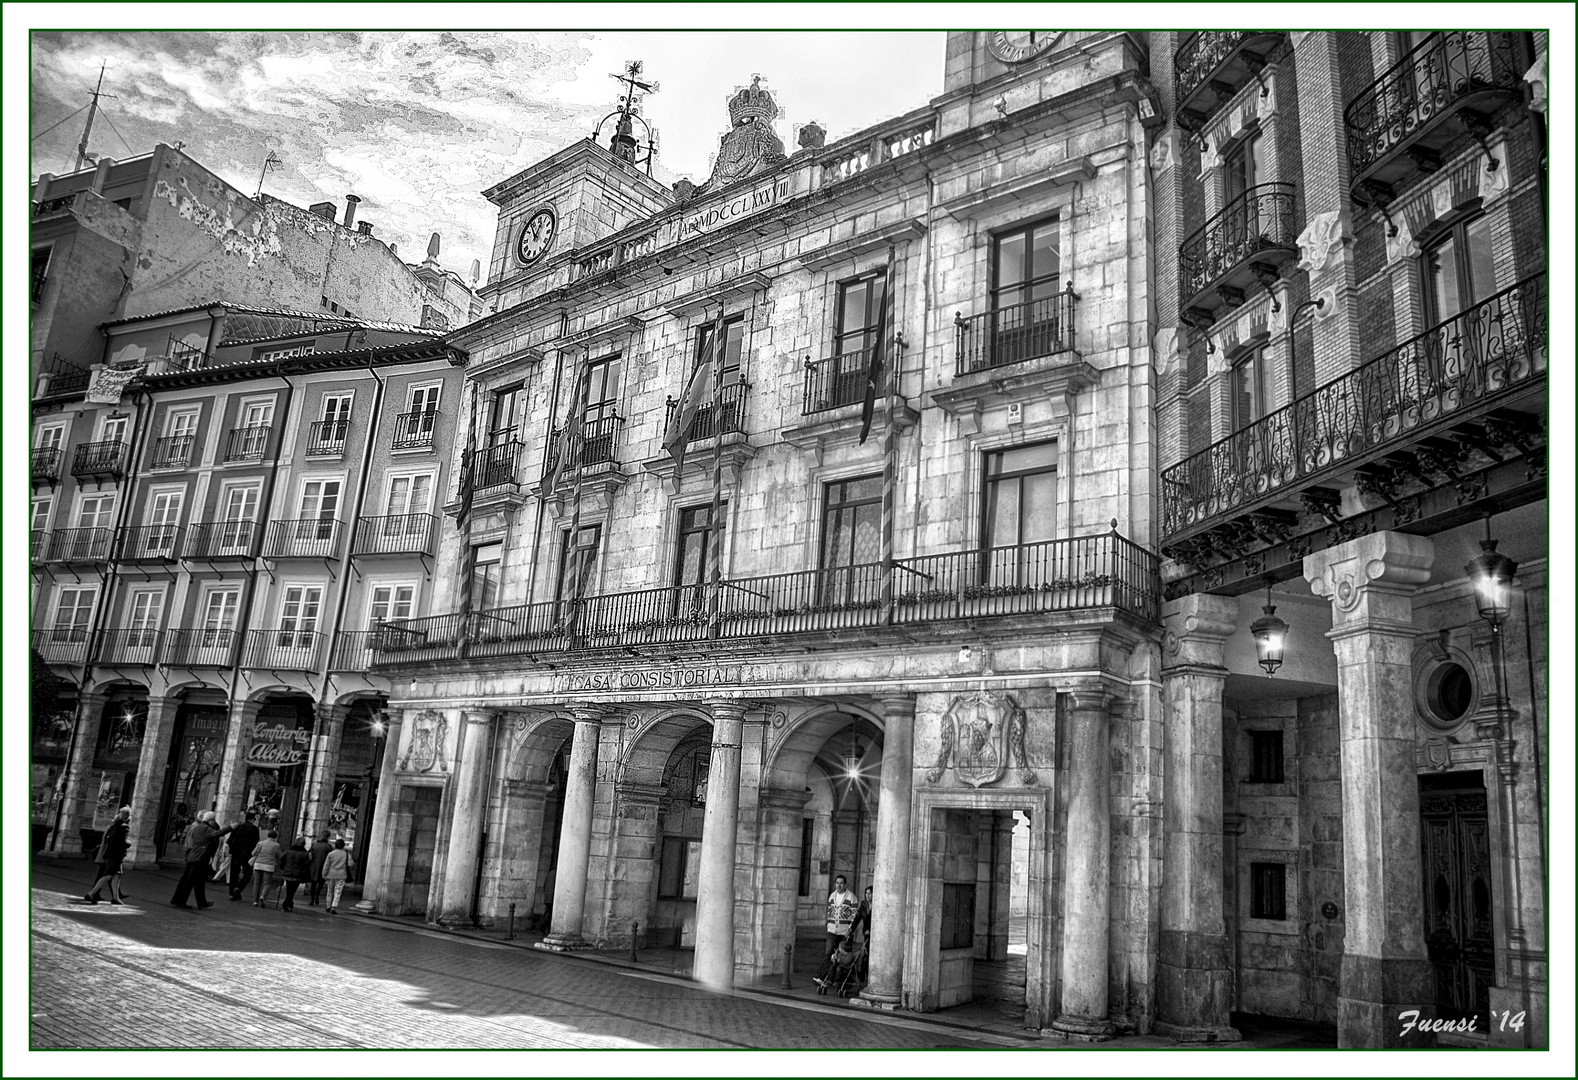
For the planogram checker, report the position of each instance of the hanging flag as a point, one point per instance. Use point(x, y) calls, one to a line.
point(878, 356)
point(468, 475)
point(570, 434)
point(698, 392)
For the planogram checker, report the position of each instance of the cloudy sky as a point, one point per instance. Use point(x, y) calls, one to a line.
point(418, 123)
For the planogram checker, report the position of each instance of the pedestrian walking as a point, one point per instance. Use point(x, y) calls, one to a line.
point(337, 869)
point(265, 861)
point(295, 867)
point(243, 841)
point(862, 926)
point(202, 838)
point(841, 908)
point(320, 848)
point(111, 852)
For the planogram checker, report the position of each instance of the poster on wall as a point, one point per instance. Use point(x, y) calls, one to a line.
point(107, 787)
point(343, 814)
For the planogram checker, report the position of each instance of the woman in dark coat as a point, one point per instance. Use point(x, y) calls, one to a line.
point(295, 866)
point(320, 848)
point(111, 852)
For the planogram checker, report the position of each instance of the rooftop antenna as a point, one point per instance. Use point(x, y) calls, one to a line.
point(270, 162)
point(87, 129)
point(624, 144)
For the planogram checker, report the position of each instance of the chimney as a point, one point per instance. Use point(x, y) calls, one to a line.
point(364, 227)
point(325, 210)
point(476, 271)
point(350, 209)
point(101, 174)
point(394, 249)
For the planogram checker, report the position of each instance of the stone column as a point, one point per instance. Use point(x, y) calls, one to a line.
point(466, 820)
point(1370, 583)
point(152, 763)
point(233, 772)
point(321, 769)
point(575, 833)
point(377, 868)
point(68, 838)
point(1194, 977)
point(715, 893)
point(1087, 871)
point(889, 883)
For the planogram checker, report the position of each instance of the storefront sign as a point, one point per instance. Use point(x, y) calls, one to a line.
point(277, 746)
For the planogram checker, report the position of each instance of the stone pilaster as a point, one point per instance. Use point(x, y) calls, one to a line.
point(233, 772)
point(891, 878)
point(1087, 871)
point(152, 763)
point(575, 833)
point(68, 837)
point(321, 768)
point(1194, 980)
point(376, 871)
point(1370, 583)
point(466, 820)
point(715, 893)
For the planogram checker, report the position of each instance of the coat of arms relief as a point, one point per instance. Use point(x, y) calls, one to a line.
point(425, 750)
point(983, 734)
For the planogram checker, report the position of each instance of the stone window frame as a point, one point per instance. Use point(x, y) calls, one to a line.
point(1288, 787)
point(1432, 655)
point(1294, 916)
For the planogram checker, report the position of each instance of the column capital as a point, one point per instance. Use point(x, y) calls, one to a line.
point(726, 709)
point(589, 712)
point(1371, 580)
point(244, 708)
point(1088, 697)
point(479, 716)
point(897, 706)
point(91, 700)
point(328, 711)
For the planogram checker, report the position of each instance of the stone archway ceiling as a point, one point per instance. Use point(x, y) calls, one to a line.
point(833, 758)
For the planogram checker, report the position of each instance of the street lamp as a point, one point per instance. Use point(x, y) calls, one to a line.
point(1491, 574)
point(1271, 636)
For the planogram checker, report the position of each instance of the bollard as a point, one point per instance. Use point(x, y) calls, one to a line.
point(635, 928)
point(510, 936)
point(788, 964)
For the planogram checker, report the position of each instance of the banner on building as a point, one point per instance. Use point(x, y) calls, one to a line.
point(107, 384)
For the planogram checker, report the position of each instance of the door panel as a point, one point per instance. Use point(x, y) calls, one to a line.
point(1456, 867)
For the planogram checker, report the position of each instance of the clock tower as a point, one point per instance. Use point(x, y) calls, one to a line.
point(978, 56)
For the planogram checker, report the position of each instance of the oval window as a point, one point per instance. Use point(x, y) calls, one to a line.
point(1449, 693)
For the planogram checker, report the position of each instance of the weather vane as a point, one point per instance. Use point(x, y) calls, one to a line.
point(624, 143)
point(271, 162)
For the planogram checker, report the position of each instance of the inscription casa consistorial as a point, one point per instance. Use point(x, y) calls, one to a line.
point(276, 746)
point(983, 734)
point(652, 678)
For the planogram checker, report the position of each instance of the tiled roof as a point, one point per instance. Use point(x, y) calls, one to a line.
point(289, 313)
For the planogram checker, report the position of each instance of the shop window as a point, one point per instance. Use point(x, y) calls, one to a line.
point(1265, 757)
point(958, 915)
point(1268, 891)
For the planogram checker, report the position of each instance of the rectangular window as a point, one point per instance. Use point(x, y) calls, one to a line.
point(164, 517)
point(575, 563)
point(1460, 270)
point(424, 399)
point(504, 426)
point(93, 512)
point(238, 510)
point(487, 569)
point(694, 552)
point(51, 437)
point(602, 403)
point(40, 272)
point(851, 541)
point(298, 615)
point(388, 602)
point(337, 406)
point(958, 915)
point(40, 518)
point(143, 617)
point(855, 332)
point(1268, 891)
point(219, 617)
point(1026, 277)
point(733, 346)
point(257, 413)
point(409, 494)
point(1265, 757)
point(113, 429)
point(73, 610)
point(320, 502)
point(179, 423)
point(807, 832)
point(1021, 496)
point(1247, 389)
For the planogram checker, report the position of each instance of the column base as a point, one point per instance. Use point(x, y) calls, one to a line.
point(1383, 1001)
point(366, 907)
point(562, 943)
point(880, 1002)
point(1193, 987)
point(1081, 1029)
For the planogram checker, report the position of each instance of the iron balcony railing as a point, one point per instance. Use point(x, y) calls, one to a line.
point(353, 650)
point(594, 446)
point(303, 538)
point(222, 540)
point(1084, 573)
point(184, 357)
point(730, 410)
point(151, 543)
point(1016, 333)
point(326, 438)
point(36, 544)
point(1205, 74)
point(62, 644)
point(65, 377)
point(200, 648)
point(248, 443)
point(1444, 73)
point(135, 646)
point(395, 534)
point(496, 466)
point(1493, 349)
point(284, 650)
point(79, 545)
point(46, 462)
point(414, 429)
point(1258, 220)
point(172, 451)
point(835, 381)
point(99, 459)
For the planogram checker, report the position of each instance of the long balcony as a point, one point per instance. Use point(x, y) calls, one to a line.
point(172, 452)
point(414, 430)
point(1015, 334)
point(730, 414)
point(303, 538)
point(149, 543)
point(1454, 371)
point(247, 443)
point(497, 466)
point(1240, 248)
point(1400, 124)
point(284, 650)
point(62, 645)
point(222, 540)
point(46, 464)
point(128, 647)
point(326, 438)
point(1095, 574)
point(79, 546)
point(395, 534)
point(200, 648)
point(595, 446)
point(353, 650)
point(1213, 65)
point(835, 381)
point(99, 460)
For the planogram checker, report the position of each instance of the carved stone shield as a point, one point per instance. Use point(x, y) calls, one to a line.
point(980, 737)
point(429, 731)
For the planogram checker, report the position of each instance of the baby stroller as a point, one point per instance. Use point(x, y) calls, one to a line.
point(841, 974)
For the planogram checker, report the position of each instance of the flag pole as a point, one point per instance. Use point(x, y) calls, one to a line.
point(889, 328)
point(574, 444)
point(719, 350)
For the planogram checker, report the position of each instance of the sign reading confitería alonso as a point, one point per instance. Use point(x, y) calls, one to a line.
point(714, 216)
point(274, 747)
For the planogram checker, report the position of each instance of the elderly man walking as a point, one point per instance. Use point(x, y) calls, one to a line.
point(202, 838)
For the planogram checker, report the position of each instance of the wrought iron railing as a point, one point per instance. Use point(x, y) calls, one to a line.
point(595, 446)
point(1260, 219)
point(283, 650)
point(149, 542)
point(248, 443)
point(414, 429)
point(65, 377)
point(496, 466)
point(835, 381)
point(200, 648)
point(1199, 60)
point(326, 438)
point(1462, 364)
point(99, 459)
point(172, 451)
point(731, 411)
point(353, 650)
point(303, 538)
point(80, 545)
point(1016, 333)
point(184, 357)
point(62, 644)
point(1430, 81)
point(135, 646)
point(222, 540)
point(46, 462)
point(395, 534)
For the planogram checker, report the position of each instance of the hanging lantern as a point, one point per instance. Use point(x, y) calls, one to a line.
point(1271, 636)
point(1491, 574)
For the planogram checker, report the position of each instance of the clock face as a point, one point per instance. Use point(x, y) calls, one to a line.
point(1012, 46)
point(536, 236)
